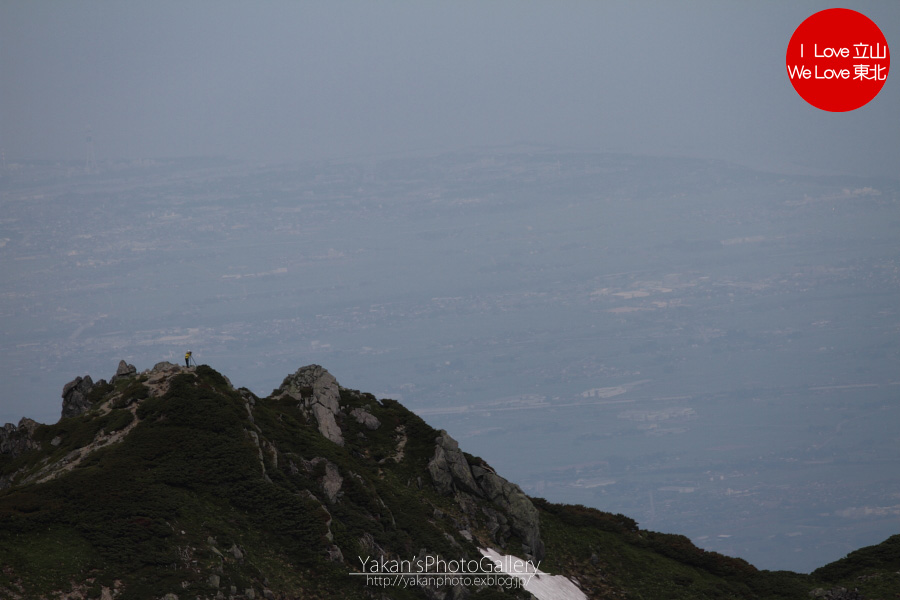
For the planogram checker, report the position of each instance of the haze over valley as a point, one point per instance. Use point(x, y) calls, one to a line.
point(709, 349)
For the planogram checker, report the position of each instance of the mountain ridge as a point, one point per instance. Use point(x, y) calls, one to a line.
point(172, 483)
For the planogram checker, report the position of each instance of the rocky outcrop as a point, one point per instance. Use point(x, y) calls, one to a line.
point(259, 453)
point(15, 440)
point(327, 424)
point(75, 396)
point(330, 478)
point(370, 547)
point(523, 515)
point(159, 376)
point(449, 468)
point(452, 474)
point(124, 370)
point(332, 481)
point(160, 367)
point(319, 391)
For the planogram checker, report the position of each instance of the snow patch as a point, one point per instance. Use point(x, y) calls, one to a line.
point(539, 584)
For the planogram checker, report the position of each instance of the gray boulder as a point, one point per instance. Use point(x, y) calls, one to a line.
point(365, 418)
point(124, 370)
point(75, 396)
point(320, 392)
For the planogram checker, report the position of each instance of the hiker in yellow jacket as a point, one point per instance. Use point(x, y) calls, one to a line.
point(187, 359)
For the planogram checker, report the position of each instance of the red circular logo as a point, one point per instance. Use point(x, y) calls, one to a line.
point(838, 59)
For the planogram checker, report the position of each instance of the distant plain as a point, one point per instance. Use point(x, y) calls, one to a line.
point(708, 349)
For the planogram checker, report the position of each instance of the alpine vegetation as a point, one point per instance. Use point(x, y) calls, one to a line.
point(172, 483)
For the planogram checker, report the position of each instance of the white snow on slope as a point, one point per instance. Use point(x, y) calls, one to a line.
point(542, 586)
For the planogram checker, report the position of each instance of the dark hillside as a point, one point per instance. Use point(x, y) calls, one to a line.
point(172, 483)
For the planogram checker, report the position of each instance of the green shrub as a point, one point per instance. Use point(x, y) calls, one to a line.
point(118, 419)
point(99, 392)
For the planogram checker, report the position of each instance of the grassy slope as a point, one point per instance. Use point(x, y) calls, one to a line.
point(143, 510)
point(874, 571)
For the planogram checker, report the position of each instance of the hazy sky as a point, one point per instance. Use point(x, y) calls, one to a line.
point(280, 81)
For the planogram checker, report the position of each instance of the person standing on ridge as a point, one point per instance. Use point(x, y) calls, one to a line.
point(187, 359)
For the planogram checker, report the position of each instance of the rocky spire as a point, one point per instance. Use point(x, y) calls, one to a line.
point(75, 396)
point(319, 391)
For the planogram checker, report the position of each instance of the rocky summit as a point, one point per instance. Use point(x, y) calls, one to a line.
point(171, 483)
